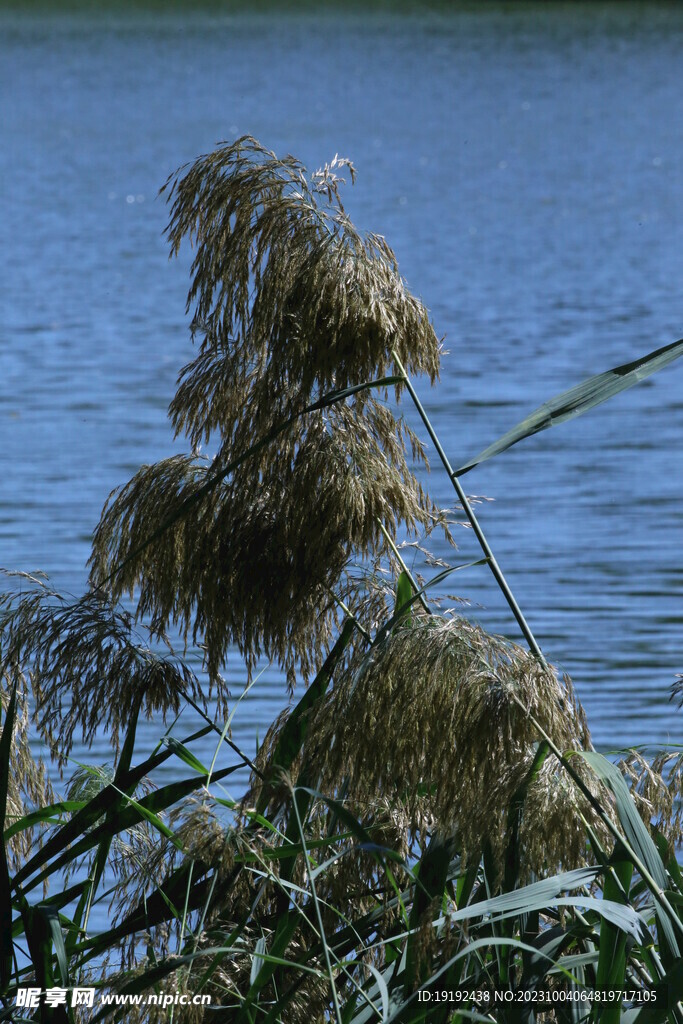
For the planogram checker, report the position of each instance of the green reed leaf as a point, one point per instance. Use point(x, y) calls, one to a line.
point(611, 971)
point(432, 875)
point(404, 593)
point(640, 840)
point(92, 811)
point(181, 751)
point(50, 814)
point(6, 945)
point(579, 399)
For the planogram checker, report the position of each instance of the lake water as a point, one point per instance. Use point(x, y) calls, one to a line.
point(526, 164)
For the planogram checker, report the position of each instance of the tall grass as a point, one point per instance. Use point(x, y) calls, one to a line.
point(428, 833)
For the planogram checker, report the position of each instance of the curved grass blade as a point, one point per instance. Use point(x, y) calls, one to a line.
point(550, 945)
point(400, 1014)
point(50, 814)
point(404, 594)
point(90, 813)
point(611, 971)
point(257, 959)
point(267, 963)
point(55, 930)
point(514, 820)
point(123, 820)
point(409, 593)
point(640, 840)
point(83, 909)
point(182, 752)
point(382, 989)
point(42, 930)
point(579, 399)
point(6, 945)
point(669, 992)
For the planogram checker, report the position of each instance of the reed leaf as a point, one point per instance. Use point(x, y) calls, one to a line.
point(432, 875)
point(86, 817)
point(611, 968)
point(636, 833)
point(6, 944)
point(579, 399)
point(404, 594)
point(639, 843)
point(44, 815)
point(41, 928)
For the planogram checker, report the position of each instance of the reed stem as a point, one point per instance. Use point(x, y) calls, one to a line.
point(474, 522)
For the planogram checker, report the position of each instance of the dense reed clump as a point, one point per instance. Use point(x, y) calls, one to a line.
point(440, 718)
point(290, 303)
point(430, 814)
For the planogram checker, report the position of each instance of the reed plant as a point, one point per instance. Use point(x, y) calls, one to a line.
point(428, 832)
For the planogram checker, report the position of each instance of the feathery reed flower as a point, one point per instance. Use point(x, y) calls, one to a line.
point(290, 302)
point(289, 298)
point(255, 566)
point(439, 717)
point(86, 669)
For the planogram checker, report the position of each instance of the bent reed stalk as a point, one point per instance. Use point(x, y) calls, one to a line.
point(469, 512)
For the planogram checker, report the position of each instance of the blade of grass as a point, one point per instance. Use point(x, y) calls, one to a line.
point(432, 876)
point(6, 944)
point(49, 815)
point(318, 915)
point(91, 812)
point(611, 970)
point(580, 399)
point(644, 849)
point(404, 594)
point(83, 909)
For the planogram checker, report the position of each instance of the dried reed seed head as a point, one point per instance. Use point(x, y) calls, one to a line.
point(204, 837)
point(143, 860)
point(228, 979)
point(253, 560)
point(551, 833)
point(83, 658)
point(291, 301)
point(285, 292)
point(438, 717)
